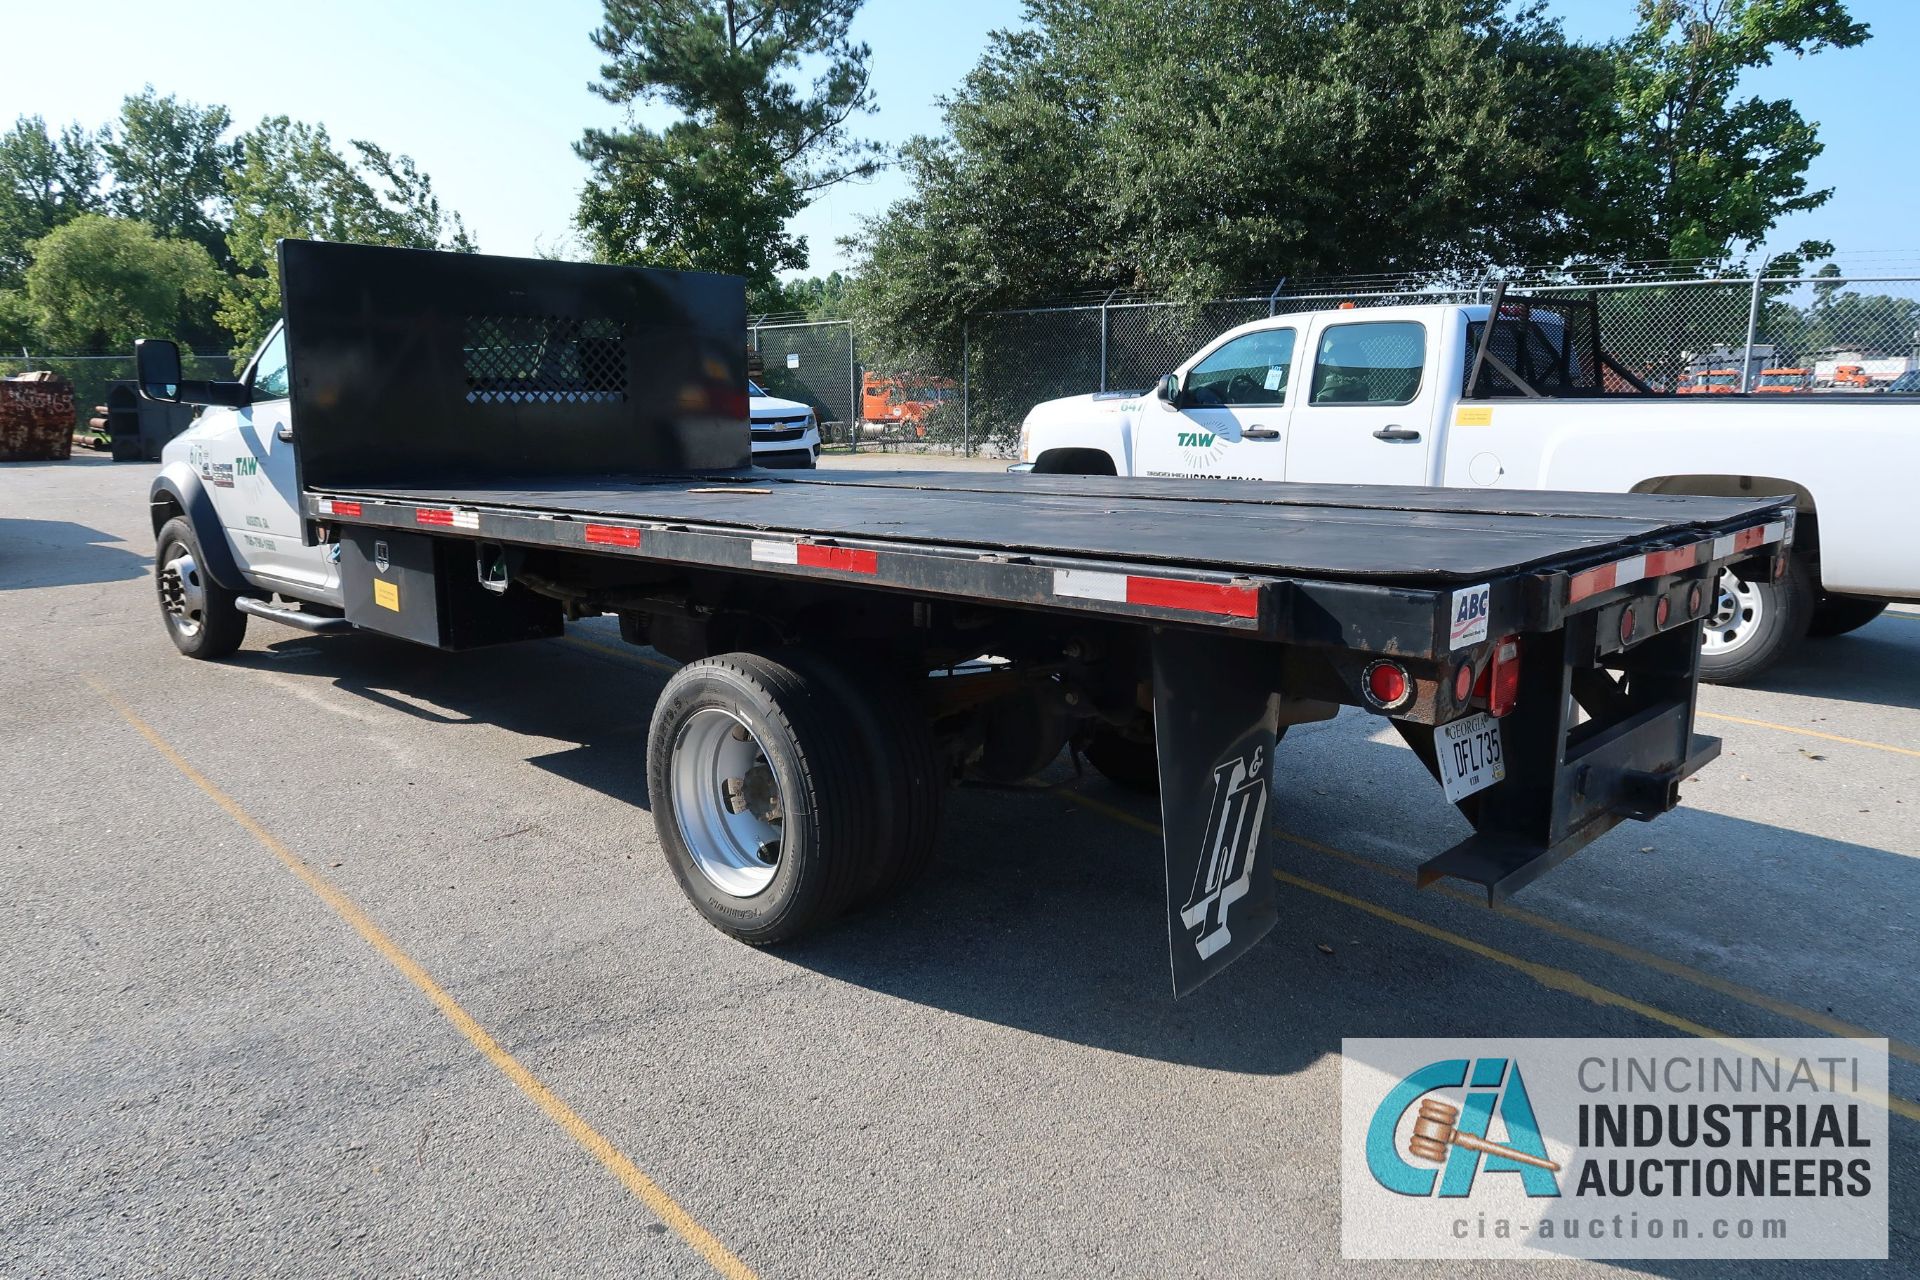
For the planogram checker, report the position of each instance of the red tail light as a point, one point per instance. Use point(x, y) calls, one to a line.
point(1503, 677)
point(1388, 684)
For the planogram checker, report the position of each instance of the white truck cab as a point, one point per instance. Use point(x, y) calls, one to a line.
point(1381, 396)
point(241, 458)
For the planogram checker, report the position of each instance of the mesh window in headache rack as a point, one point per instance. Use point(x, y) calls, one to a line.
point(544, 360)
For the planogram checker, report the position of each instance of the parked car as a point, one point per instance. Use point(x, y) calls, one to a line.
point(785, 433)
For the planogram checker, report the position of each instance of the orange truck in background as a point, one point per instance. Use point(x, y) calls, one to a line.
point(1784, 382)
point(1852, 377)
point(902, 401)
point(1710, 382)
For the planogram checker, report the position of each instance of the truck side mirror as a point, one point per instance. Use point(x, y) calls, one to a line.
point(1169, 390)
point(156, 365)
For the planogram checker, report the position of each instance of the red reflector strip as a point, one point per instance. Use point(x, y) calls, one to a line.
point(1661, 563)
point(845, 559)
point(455, 518)
point(812, 556)
point(612, 535)
point(1200, 597)
point(1747, 539)
point(334, 507)
point(1591, 582)
point(1161, 593)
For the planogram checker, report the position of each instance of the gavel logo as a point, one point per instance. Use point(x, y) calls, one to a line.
point(1434, 1132)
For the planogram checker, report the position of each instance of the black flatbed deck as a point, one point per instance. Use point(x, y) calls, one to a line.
point(1351, 533)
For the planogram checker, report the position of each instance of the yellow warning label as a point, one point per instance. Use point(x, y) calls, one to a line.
point(386, 595)
point(1480, 415)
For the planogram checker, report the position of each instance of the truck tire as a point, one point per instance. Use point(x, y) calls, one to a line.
point(1132, 764)
point(760, 797)
point(200, 613)
point(1837, 615)
point(908, 785)
point(1752, 625)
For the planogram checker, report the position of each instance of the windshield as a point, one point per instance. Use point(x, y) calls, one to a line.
point(753, 388)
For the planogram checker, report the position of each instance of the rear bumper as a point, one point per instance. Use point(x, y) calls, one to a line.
point(1603, 728)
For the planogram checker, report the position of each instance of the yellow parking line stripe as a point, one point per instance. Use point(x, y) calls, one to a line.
point(1808, 733)
point(1626, 951)
point(644, 1189)
point(1550, 976)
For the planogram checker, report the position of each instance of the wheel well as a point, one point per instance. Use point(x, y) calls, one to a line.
point(164, 507)
point(1075, 462)
point(1806, 535)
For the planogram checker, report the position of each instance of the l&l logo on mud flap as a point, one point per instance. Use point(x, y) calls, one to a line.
point(1470, 605)
point(1215, 746)
point(1226, 858)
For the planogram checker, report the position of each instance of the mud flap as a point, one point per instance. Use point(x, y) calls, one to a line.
point(1216, 728)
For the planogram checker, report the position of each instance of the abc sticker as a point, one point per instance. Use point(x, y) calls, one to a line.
point(1469, 616)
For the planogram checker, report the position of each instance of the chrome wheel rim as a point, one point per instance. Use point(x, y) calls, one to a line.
point(727, 802)
point(1735, 618)
point(183, 596)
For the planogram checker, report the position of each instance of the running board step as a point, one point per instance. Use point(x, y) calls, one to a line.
point(316, 623)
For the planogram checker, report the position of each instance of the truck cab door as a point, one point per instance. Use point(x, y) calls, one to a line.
point(1366, 416)
point(262, 510)
point(1231, 422)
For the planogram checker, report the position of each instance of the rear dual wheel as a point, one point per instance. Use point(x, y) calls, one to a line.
point(786, 791)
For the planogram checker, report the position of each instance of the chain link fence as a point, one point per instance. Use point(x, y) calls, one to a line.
point(813, 364)
point(1788, 335)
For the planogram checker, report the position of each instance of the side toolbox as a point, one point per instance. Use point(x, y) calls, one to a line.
point(431, 591)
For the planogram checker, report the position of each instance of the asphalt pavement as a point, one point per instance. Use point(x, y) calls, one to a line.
point(347, 957)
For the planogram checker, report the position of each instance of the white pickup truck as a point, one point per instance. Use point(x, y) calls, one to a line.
point(1425, 395)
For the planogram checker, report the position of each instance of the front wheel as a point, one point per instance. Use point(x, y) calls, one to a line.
point(200, 614)
point(1752, 625)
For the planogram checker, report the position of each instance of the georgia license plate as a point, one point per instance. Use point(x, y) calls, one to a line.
point(1469, 754)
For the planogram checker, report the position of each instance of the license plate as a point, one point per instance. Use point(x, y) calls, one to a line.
point(1470, 756)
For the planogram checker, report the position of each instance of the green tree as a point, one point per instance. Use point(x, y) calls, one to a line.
point(98, 282)
point(1686, 167)
point(1201, 146)
point(169, 165)
point(815, 297)
point(715, 189)
point(291, 182)
point(45, 181)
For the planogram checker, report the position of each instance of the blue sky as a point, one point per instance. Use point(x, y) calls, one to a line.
point(488, 95)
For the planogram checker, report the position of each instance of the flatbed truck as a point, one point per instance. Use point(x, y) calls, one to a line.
point(485, 449)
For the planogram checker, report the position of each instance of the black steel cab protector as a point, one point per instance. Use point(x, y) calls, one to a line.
point(499, 446)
